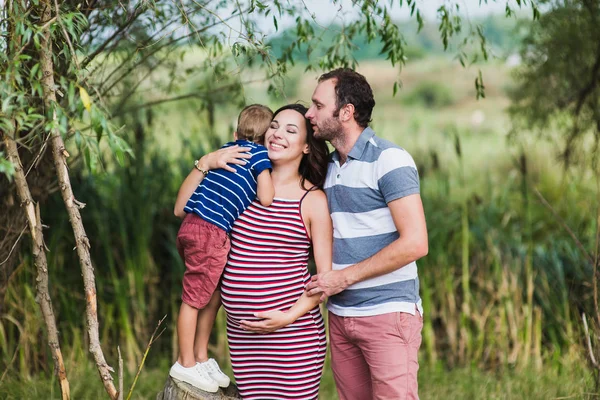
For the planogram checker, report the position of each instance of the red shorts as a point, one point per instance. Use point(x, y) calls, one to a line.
point(204, 248)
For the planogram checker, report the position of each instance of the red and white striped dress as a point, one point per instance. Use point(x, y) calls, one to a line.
point(267, 270)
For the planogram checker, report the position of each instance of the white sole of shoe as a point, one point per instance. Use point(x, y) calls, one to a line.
point(226, 386)
point(186, 379)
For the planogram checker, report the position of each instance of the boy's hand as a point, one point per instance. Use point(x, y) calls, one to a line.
point(222, 157)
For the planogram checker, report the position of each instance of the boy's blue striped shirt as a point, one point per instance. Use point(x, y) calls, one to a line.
point(222, 195)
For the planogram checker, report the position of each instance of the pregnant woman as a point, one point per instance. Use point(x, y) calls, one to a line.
point(275, 331)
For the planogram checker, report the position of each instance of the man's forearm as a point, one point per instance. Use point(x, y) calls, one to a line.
point(394, 256)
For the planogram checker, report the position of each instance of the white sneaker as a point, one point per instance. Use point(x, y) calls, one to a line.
point(195, 376)
point(213, 370)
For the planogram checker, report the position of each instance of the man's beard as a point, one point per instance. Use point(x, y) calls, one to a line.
point(330, 129)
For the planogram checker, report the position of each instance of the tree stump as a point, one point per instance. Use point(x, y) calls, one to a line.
point(178, 390)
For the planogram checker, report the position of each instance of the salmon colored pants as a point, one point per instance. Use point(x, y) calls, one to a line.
point(376, 357)
point(204, 248)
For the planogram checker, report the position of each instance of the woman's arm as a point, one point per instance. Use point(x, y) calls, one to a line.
point(315, 214)
point(217, 159)
point(321, 229)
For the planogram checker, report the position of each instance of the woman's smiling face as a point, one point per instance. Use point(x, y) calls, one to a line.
point(286, 137)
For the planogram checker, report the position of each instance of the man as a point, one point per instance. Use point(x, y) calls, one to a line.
point(372, 186)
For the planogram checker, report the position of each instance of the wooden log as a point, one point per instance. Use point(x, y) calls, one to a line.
point(178, 390)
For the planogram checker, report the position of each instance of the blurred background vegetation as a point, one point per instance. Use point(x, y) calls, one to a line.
point(505, 283)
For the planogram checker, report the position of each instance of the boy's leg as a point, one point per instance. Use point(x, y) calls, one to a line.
point(186, 332)
point(186, 369)
point(204, 249)
point(206, 320)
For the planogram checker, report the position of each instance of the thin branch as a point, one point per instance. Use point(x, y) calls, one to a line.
point(589, 341)
point(589, 88)
point(66, 35)
point(154, 51)
point(39, 155)
point(139, 82)
point(223, 21)
point(146, 43)
point(564, 225)
point(597, 252)
point(10, 363)
point(14, 245)
point(47, 24)
point(136, 13)
point(153, 338)
point(120, 374)
point(181, 97)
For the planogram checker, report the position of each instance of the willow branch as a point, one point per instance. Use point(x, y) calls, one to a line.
point(155, 50)
point(202, 95)
point(139, 9)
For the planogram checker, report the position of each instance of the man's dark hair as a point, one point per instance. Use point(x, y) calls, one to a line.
point(352, 88)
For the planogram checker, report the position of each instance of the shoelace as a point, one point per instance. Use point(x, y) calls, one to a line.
point(203, 373)
point(213, 366)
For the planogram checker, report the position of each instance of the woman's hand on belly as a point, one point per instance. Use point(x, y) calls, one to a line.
point(270, 322)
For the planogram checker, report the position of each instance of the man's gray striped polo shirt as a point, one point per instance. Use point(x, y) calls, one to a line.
point(375, 173)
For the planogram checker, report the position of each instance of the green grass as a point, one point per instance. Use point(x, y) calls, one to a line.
point(572, 382)
point(471, 383)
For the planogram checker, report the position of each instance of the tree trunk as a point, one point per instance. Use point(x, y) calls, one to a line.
point(41, 264)
point(59, 155)
point(178, 390)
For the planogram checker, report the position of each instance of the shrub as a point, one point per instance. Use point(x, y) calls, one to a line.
point(430, 94)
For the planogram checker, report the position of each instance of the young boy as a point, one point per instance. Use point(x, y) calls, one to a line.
point(203, 243)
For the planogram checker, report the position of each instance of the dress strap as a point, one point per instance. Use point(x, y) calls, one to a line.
point(314, 187)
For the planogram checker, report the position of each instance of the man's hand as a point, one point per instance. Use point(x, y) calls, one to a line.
point(327, 284)
point(272, 320)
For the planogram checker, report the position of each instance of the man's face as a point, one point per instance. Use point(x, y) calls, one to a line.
point(320, 113)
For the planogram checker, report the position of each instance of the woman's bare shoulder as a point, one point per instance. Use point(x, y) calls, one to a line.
point(316, 198)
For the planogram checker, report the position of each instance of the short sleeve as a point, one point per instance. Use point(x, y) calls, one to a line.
point(397, 174)
point(260, 160)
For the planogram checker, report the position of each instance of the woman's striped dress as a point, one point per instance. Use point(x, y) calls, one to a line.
point(267, 270)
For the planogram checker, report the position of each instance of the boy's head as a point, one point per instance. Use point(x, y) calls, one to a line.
point(253, 122)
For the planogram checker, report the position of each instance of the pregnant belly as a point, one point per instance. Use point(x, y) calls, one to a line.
point(243, 304)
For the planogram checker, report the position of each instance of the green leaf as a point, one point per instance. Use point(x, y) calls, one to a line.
point(419, 21)
point(6, 167)
point(479, 86)
point(85, 99)
point(34, 71)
